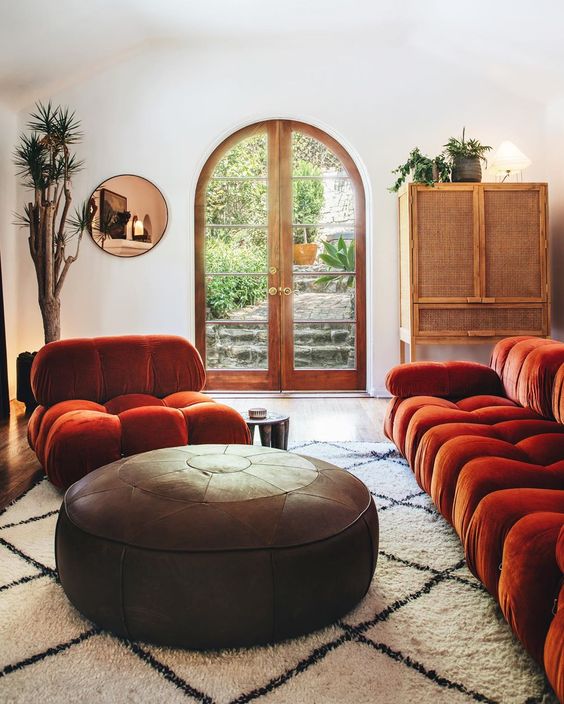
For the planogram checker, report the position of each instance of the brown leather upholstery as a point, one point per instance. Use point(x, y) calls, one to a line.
point(215, 546)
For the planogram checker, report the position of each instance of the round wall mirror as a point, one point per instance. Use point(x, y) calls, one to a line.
point(129, 215)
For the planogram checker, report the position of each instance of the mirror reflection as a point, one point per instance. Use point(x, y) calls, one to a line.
point(128, 215)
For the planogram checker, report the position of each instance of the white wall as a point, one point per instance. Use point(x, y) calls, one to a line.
point(555, 153)
point(8, 234)
point(160, 114)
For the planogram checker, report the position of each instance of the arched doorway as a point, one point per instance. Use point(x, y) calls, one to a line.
point(280, 262)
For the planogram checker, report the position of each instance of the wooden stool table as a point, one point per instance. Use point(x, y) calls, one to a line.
point(274, 429)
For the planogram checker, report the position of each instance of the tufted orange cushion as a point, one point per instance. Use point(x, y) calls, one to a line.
point(484, 475)
point(99, 369)
point(448, 379)
point(511, 374)
point(530, 579)
point(554, 645)
point(493, 519)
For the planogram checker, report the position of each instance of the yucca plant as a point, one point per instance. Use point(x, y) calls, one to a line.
point(340, 256)
point(46, 167)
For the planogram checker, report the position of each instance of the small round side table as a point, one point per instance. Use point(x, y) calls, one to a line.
point(274, 429)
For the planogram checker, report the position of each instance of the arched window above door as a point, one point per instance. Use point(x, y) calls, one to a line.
point(280, 242)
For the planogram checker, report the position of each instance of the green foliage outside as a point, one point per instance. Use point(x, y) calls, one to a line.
point(228, 253)
point(339, 257)
point(245, 202)
point(308, 197)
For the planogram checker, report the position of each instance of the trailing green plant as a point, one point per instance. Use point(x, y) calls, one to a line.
point(466, 148)
point(46, 166)
point(425, 169)
point(340, 257)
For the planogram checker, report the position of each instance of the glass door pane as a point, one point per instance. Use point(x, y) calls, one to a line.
point(236, 258)
point(324, 258)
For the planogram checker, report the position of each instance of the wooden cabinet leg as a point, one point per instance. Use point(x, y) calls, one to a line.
point(402, 352)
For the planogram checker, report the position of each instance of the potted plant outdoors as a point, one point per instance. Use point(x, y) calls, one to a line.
point(46, 166)
point(466, 156)
point(425, 169)
point(308, 200)
point(339, 257)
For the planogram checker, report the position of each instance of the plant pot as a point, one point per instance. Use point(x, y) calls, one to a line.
point(305, 254)
point(466, 168)
point(23, 380)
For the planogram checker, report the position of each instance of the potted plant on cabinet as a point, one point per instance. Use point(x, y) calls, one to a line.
point(466, 156)
point(425, 169)
point(46, 166)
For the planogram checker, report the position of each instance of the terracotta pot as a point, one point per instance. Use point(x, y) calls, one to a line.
point(305, 254)
point(466, 168)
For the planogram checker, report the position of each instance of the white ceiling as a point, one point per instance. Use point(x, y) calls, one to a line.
point(516, 42)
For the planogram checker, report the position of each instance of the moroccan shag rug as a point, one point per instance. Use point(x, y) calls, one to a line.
point(426, 631)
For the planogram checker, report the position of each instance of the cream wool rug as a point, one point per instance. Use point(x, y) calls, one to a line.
point(426, 631)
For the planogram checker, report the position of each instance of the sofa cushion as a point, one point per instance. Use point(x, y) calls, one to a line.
point(554, 645)
point(429, 417)
point(527, 368)
point(496, 514)
point(485, 475)
point(103, 368)
point(530, 579)
point(119, 404)
point(444, 449)
point(446, 379)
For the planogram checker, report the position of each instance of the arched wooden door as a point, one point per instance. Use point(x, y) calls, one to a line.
point(280, 262)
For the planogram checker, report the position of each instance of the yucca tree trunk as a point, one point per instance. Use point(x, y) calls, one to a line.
point(41, 243)
point(51, 314)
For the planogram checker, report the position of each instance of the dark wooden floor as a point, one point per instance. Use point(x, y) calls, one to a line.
point(19, 468)
point(323, 419)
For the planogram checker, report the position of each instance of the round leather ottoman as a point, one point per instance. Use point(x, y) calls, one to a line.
point(212, 546)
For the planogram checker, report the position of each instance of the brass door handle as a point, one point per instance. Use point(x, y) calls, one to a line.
point(273, 290)
point(287, 291)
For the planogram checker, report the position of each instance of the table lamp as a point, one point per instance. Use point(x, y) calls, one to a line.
point(508, 160)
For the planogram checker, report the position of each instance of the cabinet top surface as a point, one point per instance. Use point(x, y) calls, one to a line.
point(467, 186)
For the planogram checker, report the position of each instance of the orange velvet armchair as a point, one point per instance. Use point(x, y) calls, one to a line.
point(109, 397)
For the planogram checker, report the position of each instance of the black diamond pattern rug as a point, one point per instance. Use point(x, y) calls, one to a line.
point(427, 631)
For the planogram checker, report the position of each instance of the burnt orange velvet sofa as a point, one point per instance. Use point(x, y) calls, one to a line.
point(487, 444)
point(109, 397)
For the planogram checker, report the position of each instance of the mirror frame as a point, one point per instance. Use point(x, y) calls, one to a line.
point(167, 216)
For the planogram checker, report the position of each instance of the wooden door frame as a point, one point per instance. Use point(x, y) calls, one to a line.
point(317, 379)
point(236, 379)
point(279, 258)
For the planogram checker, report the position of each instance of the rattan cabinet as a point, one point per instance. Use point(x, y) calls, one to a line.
point(473, 263)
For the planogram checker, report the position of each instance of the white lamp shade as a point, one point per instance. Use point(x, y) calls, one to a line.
point(508, 158)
